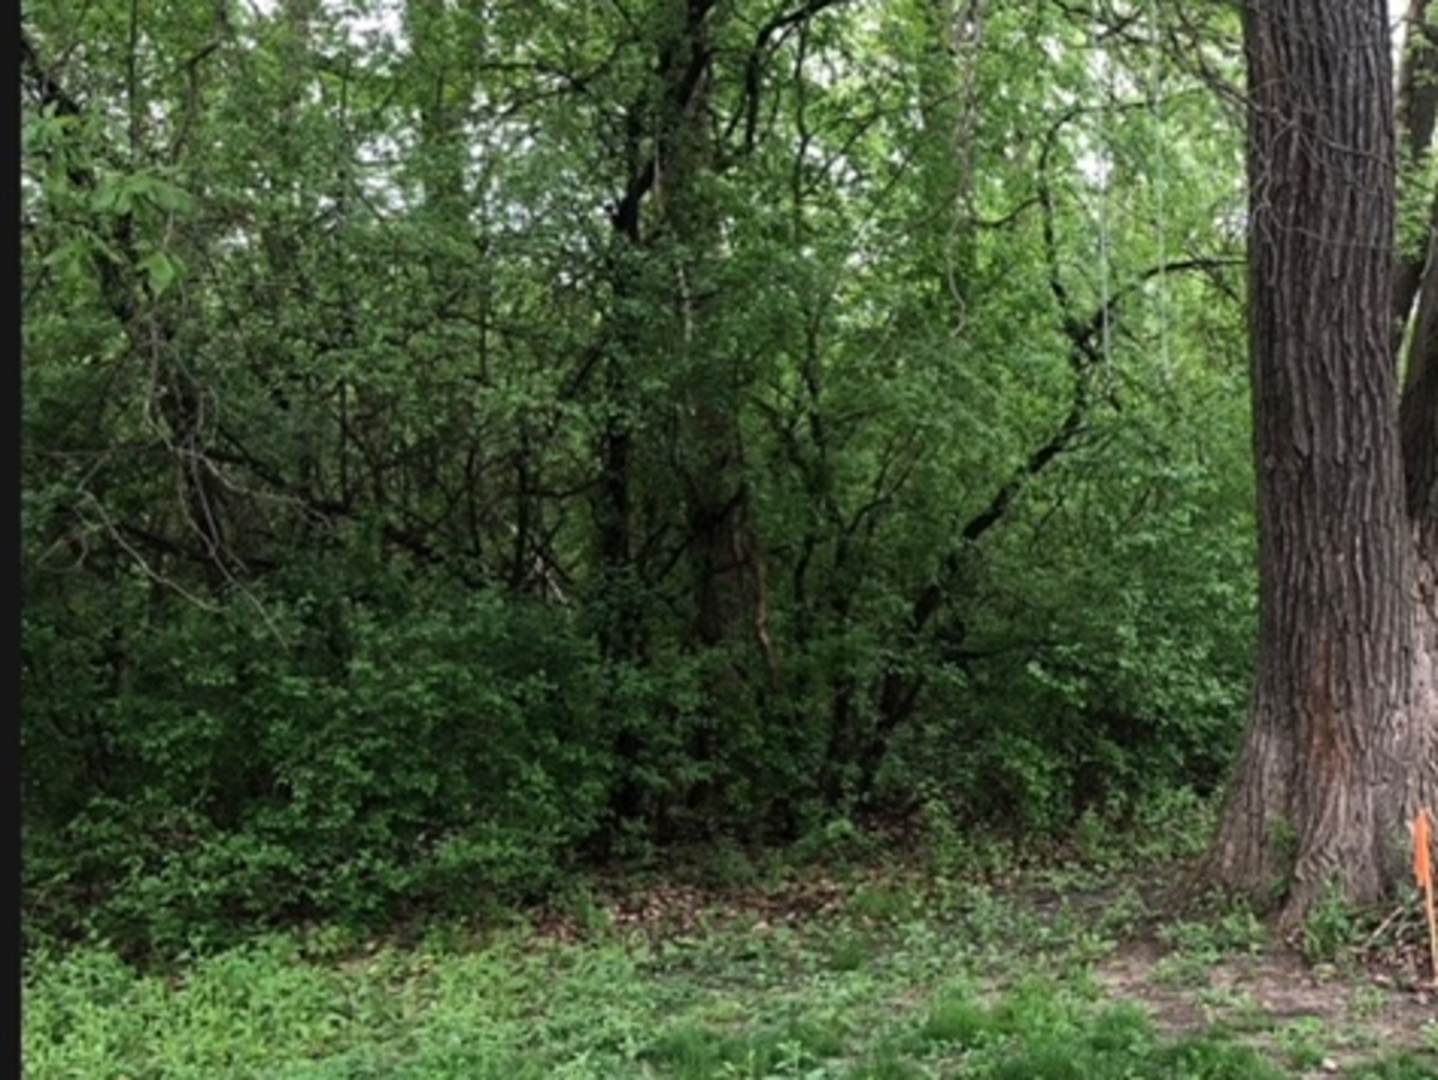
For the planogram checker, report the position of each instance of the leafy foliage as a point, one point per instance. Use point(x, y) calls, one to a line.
point(463, 442)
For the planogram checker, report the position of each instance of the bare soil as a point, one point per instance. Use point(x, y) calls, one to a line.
point(1267, 997)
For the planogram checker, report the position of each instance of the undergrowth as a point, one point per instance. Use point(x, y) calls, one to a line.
point(966, 982)
point(965, 960)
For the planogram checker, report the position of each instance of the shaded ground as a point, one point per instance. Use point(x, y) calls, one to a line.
point(1194, 973)
point(1277, 1001)
point(1012, 970)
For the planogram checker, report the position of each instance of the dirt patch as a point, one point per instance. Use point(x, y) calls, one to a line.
point(1277, 1002)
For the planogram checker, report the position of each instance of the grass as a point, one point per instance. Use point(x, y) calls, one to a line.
point(598, 1010)
point(984, 966)
point(904, 983)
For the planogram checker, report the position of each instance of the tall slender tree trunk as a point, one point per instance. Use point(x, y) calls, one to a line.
point(1339, 746)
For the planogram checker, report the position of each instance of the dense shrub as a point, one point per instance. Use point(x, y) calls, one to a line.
point(311, 757)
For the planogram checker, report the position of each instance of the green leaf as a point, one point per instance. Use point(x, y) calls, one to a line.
point(110, 198)
point(163, 195)
point(71, 259)
point(161, 271)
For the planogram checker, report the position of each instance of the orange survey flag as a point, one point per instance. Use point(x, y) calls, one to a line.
point(1422, 842)
point(1423, 871)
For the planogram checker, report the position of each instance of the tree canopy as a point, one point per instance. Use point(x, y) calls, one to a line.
point(462, 441)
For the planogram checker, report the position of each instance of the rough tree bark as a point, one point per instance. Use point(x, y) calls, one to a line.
point(1339, 748)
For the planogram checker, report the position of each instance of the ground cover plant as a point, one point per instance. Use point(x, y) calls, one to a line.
point(877, 970)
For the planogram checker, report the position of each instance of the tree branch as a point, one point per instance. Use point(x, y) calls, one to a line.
point(899, 692)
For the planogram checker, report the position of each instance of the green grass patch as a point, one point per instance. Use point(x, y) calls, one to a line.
point(894, 991)
point(1402, 1067)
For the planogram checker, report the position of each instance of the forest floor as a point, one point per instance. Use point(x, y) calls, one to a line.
point(1318, 1019)
point(998, 972)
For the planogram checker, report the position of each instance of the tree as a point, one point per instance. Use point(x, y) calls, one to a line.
point(1340, 744)
point(599, 423)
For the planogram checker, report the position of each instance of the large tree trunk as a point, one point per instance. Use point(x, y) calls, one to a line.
point(1337, 754)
